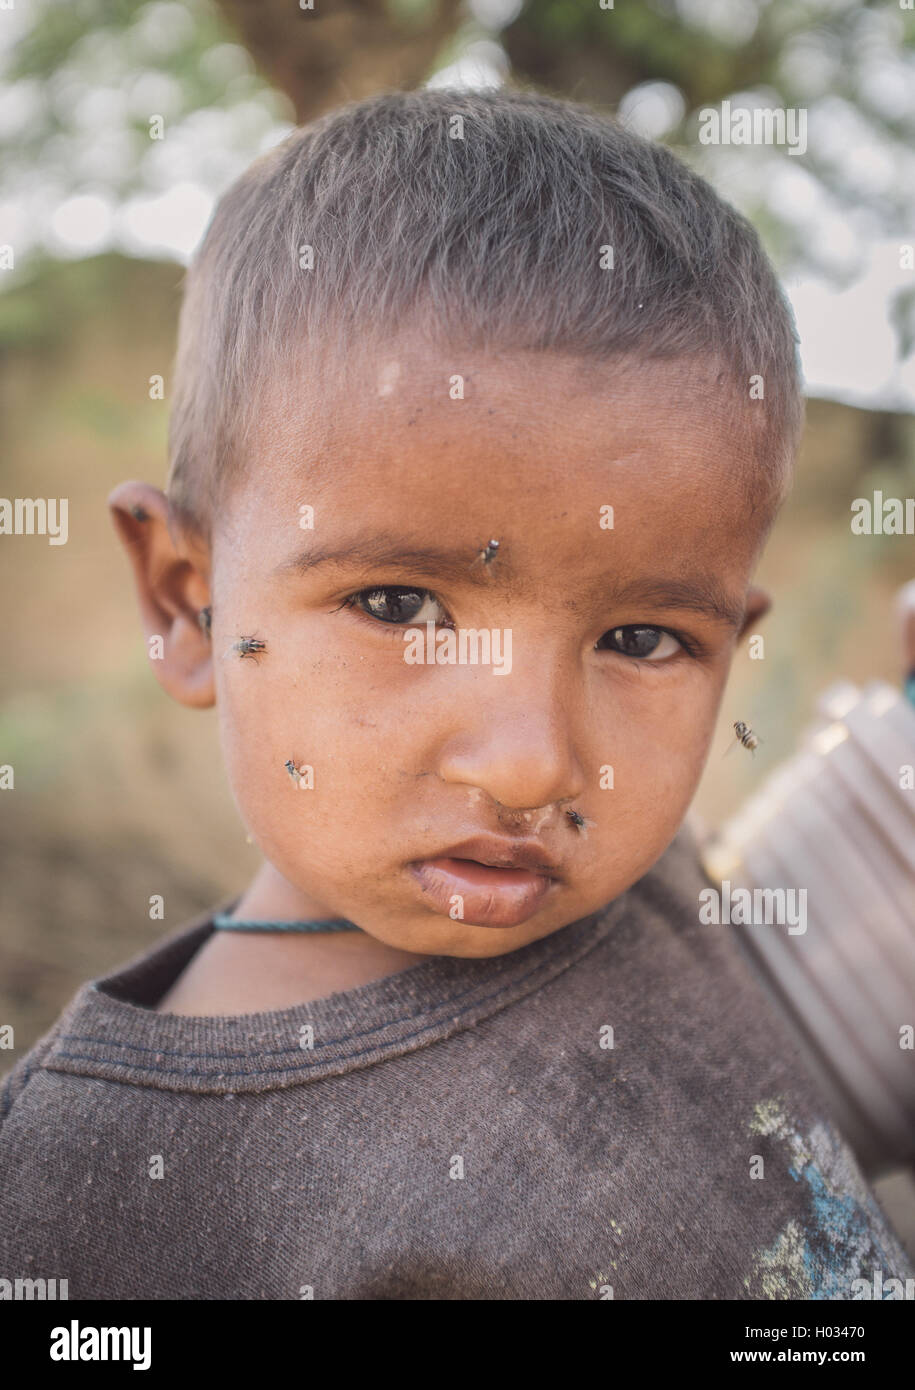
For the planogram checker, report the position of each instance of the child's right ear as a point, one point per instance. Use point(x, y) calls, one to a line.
point(172, 580)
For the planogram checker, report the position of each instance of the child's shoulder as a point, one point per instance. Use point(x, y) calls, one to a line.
point(15, 1081)
point(140, 980)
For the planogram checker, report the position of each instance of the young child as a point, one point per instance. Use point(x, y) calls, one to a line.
point(484, 409)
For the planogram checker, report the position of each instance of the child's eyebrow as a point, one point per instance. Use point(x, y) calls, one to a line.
point(454, 563)
point(699, 593)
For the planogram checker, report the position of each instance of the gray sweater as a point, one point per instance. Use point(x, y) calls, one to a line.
point(465, 1129)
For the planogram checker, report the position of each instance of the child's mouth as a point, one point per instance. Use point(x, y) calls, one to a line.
point(481, 894)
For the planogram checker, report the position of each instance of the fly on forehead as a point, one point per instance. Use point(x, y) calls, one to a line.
point(486, 556)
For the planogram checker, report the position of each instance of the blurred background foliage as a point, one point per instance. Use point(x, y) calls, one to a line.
point(119, 794)
point(83, 78)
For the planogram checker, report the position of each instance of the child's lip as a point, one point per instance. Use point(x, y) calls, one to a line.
point(497, 852)
point(480, 894)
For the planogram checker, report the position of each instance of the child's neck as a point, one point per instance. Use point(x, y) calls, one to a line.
point(246, 972)
point(243, 973)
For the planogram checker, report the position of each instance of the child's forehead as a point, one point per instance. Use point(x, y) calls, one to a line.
point(546, 453)
point(358, 406)
point(406, 426)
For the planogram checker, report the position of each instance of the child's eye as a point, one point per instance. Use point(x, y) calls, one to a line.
point(394, 604)
point(643, 643)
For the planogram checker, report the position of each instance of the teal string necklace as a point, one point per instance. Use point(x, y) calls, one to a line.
point(222, 922)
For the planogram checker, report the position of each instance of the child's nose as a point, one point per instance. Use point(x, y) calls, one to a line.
point(514, 738)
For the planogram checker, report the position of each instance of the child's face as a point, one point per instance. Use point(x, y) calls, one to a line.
point(410, 760)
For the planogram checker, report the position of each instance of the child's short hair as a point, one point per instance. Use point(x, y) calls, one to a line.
point(486, 218)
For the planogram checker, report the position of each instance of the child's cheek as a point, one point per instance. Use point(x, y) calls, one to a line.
point(655, 774)
point(286, 731)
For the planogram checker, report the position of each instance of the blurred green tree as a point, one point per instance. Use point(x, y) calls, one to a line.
point(85, 77)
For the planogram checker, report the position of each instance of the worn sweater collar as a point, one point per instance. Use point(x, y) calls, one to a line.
point(111, 1031)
